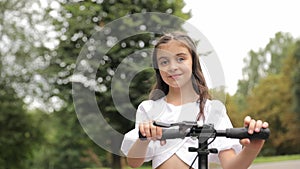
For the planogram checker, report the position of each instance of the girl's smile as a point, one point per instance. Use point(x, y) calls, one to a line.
point(175, 76)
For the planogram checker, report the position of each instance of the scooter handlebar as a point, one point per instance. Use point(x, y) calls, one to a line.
point(237, 133)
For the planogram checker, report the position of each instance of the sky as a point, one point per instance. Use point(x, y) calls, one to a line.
point(234, 27)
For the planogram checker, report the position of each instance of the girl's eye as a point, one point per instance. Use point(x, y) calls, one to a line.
point(180, 59)
point(164, 62)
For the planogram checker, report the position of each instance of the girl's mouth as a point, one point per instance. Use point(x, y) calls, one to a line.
point(175, 76)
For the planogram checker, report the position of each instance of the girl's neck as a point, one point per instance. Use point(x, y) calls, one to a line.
point(177, 96)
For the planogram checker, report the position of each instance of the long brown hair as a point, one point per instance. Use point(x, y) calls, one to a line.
point(161, 89)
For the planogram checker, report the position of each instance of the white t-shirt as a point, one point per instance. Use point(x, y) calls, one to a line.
point(160, 110)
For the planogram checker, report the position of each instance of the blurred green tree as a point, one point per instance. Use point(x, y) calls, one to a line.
point(24, 33)
point(19, 45)
point(18, 130)
point(296, 81)
point(266, 61)
point(270, 96)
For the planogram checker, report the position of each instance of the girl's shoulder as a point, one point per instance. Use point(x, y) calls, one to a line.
point(148, 104)
point(149, 101)
point(214, 105)
point(217, 103)
point(151, 109)
point(214, 109)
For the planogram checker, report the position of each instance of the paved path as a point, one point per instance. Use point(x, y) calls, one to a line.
point(293, 164)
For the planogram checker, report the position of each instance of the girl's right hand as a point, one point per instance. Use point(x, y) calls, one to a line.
point(151, 131)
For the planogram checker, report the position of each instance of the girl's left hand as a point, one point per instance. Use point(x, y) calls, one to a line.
point(253, 126)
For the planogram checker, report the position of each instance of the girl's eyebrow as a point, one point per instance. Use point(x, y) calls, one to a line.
point(181, 53)
point(162, 57)
point(178, 54)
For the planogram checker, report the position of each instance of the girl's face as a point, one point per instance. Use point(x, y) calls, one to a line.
point(175, 64)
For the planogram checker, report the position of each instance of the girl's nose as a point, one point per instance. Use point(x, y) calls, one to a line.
point(173, 66)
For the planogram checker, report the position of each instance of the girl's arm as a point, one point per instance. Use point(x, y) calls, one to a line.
point(137, 152)
point(250, 151)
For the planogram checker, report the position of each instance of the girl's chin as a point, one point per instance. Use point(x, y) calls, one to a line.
point(174, 85)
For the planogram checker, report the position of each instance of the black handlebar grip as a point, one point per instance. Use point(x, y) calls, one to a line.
point(241, 133)
point(171, 134)
point(167, 134)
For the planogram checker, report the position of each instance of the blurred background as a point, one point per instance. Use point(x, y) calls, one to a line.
point(40, 41)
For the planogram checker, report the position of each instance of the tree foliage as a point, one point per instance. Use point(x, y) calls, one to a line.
point(19, 131)
point(25, 41)
point(258, 65)
point(268, 93)
point(233, 111)
point(266, 61)
point(271, 101)
point(19, 40)
point(296, 80)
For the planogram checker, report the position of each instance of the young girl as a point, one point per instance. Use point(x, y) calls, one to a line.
point(181, 93)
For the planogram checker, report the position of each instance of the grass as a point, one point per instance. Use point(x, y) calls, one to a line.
point(276, 158)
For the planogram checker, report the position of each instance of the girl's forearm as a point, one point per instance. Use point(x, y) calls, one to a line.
point(136, 154)
point(244, 159)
